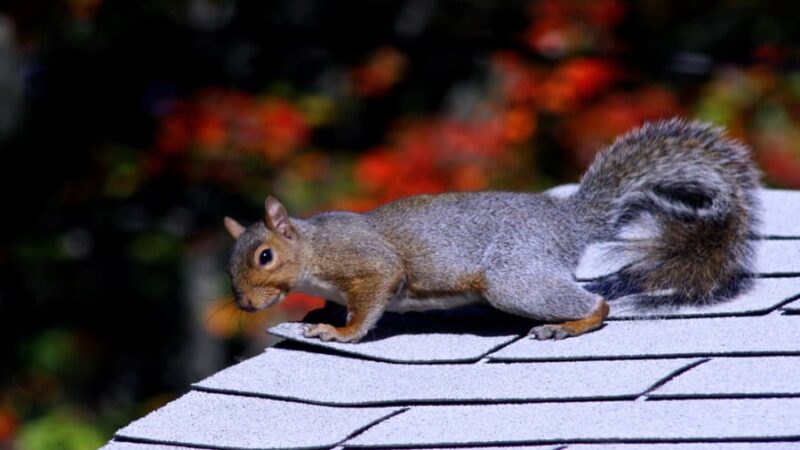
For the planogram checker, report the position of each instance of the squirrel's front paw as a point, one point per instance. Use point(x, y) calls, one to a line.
point(326, 332)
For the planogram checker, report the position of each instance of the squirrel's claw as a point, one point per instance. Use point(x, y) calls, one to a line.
point(551, 331)
point(326, 333)
point(563, 330)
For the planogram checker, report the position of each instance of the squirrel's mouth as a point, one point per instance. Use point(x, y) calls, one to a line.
point(257, 301)
point(276, 299)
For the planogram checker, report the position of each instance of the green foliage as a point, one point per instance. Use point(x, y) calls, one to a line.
point(52, 352)
point(61, 429)
point(155, 248)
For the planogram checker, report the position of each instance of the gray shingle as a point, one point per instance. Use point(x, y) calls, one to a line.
point(317, 378)
point(684, 420)
point(779, 216)
point(515, 447)
point(214, 420)
point(778, 257)
point(692, 446)
point(767, 335)
point(773, 257)
point(793, 307)
point(409, 348)
point(765, 295)
point(736, 377)
point(134, 446)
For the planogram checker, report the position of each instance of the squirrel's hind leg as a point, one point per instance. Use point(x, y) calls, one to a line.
point(572, 327)
point(570, 309)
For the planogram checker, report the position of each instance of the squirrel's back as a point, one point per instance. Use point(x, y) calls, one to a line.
point(445, 239)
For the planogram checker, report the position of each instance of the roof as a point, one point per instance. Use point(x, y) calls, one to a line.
point(725, 377)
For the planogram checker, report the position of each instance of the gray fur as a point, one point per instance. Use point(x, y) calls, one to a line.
point(521, 246)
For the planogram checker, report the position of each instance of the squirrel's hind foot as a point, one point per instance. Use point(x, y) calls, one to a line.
point(572, 328)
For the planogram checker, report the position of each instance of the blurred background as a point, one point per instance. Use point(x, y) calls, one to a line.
point(129, 129)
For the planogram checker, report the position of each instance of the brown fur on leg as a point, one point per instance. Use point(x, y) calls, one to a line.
point(573, 327)
point(366, 300)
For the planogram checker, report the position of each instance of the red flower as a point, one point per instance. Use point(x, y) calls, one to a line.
point(469, 177)
point(216, 119)
point(175, 132)
point(553, 38)
point(776, 156)
point(8, 424)
point(375, 168)
point(298, 304)
point(211, 132)
point(382, 71)
point(781, 167)
point(284, 128)
point(589, 130)
point(357, 204)
point(771, 54)
point(605, 13)
point(518, 83)
point(588, 76)
point(519, 125)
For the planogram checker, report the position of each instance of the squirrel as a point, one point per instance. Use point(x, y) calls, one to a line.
point(693, 188)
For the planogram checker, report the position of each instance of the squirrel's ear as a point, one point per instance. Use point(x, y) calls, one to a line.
point(234, 228)
point(276, 218)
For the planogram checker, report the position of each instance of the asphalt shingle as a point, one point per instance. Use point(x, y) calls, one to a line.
point(315, 378)
point(227, 421)
point(768, 335)
point(685, 420)
point(514, 447)
point(406, 348)
point(116, 445)
point(690, 446)
point(763, 296)
point(778, 257)
point(736, 377)
point(779, 213)
point(793, 307)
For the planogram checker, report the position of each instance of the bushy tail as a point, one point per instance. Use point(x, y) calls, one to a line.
point(690, 192)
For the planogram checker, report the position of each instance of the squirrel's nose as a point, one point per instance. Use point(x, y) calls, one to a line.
point(247, 305)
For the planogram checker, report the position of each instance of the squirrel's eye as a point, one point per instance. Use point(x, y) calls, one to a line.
point(265, 257)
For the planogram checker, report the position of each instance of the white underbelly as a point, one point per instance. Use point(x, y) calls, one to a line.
point(400, 303)
point(405, 304)
point(320, 288)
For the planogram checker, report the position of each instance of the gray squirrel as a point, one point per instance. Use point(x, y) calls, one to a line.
point(693, 189)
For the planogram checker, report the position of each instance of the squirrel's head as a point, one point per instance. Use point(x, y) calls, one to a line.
point(265, 263)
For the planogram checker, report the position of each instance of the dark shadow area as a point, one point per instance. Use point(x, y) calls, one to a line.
point(476, 320)
point(618, 285)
